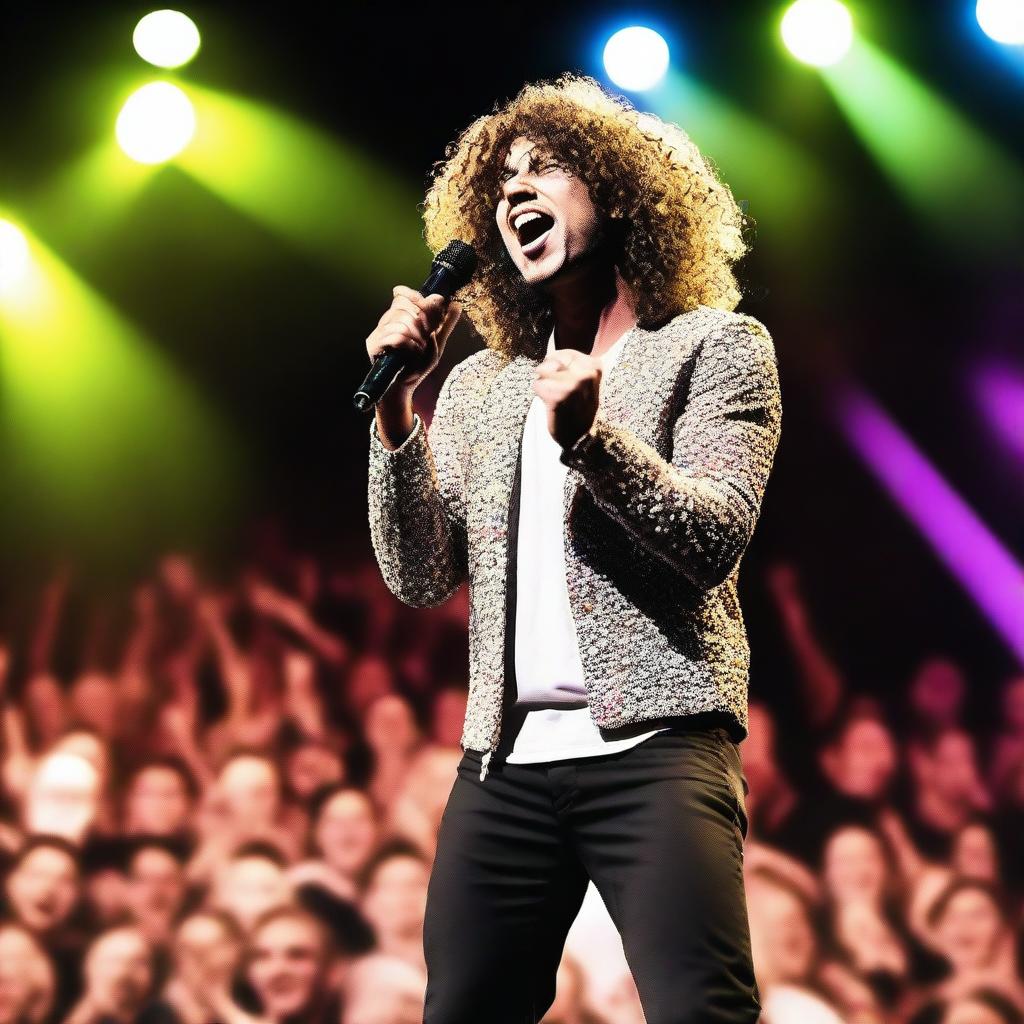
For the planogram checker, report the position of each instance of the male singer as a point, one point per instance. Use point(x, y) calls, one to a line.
point(595, 472)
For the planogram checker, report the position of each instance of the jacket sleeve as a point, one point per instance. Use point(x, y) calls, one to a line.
point(417, 499)
point(697, 511)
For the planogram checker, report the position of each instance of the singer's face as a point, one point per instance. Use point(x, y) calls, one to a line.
point(565, 225)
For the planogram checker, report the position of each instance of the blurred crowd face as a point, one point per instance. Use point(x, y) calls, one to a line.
point(346, 831)
point(287, 965)
point(63, 797)
point(937, 692)
point(88, 746)
point(951, 771)
point(206, 951)
point(969, 930)
point(44, 888)
point(861, 930)
point(247, 887)
point(782, 940)
point(854, 866)
point(156, 887)
point(369, 679)
point(311, 766)
point(105, 888)
point(389, 722)
point(863, 761)
point(158, 802)
point(250, 790)
point(93, 700)
point(26, 978)
point(428, 783)
point(396, 898)
point(975, 854)
point(118, 972)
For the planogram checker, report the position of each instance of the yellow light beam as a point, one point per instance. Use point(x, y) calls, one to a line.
point(104, 439)
point(325, 198)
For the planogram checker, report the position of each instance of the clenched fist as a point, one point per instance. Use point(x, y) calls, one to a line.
point(569, 384)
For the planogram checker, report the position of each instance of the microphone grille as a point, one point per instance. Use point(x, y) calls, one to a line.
point(460, 258)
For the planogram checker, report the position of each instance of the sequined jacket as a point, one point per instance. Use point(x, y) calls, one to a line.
point(659, 508)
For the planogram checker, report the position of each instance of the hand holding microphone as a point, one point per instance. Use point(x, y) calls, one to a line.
point(417, 327)
point(410, 337)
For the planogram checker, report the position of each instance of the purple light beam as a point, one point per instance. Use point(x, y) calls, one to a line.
point(1000, 392)
point(985, 569)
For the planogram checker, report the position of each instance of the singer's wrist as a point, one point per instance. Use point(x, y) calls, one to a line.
point(395, 418)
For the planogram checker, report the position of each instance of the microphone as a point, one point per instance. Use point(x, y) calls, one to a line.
point(453, 266)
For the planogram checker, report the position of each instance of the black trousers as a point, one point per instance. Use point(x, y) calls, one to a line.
point(658, 827)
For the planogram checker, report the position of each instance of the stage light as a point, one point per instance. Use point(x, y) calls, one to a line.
point(984, 567)
point(1002, 20)
point(156, 123)
point(636, 58)
point(93, 408)
point(319, 193)
point(999, 391)
point(167, 39)
point(818, 32)
point(14, 256)
point(933, 154)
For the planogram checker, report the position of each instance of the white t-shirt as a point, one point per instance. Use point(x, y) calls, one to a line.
point(548, 667)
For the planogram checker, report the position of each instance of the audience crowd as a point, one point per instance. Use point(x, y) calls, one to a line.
point(219, 803)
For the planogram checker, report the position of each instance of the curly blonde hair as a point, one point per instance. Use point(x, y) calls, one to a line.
point(677, 227)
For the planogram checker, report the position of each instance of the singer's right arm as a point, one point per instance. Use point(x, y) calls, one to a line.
point(417, 489)
point(395, 420)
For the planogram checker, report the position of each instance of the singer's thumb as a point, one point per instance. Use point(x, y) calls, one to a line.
point(451, 317)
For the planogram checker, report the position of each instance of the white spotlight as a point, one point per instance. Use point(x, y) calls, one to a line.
point(818, 32)
point(167, 38)
point(156, 123)
point(1002, 20)
point(636, 58)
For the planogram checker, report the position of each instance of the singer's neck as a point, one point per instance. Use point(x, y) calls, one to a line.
point(592, 311)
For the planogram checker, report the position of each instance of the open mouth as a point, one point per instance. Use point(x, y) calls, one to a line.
point(532, 229)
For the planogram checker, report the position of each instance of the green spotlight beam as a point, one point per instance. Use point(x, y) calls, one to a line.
point(104, 440)
point(323, 197)
point(88, 198)
point(961, 184)
point(788, 191)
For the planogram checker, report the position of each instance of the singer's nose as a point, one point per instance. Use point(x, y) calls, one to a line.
point(520, 195)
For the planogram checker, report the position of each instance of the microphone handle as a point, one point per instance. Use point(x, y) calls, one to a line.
point(386, 367)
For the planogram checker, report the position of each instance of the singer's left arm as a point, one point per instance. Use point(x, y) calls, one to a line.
point(698, 510)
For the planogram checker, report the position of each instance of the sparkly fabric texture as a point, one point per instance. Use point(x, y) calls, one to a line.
point(659, 510)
